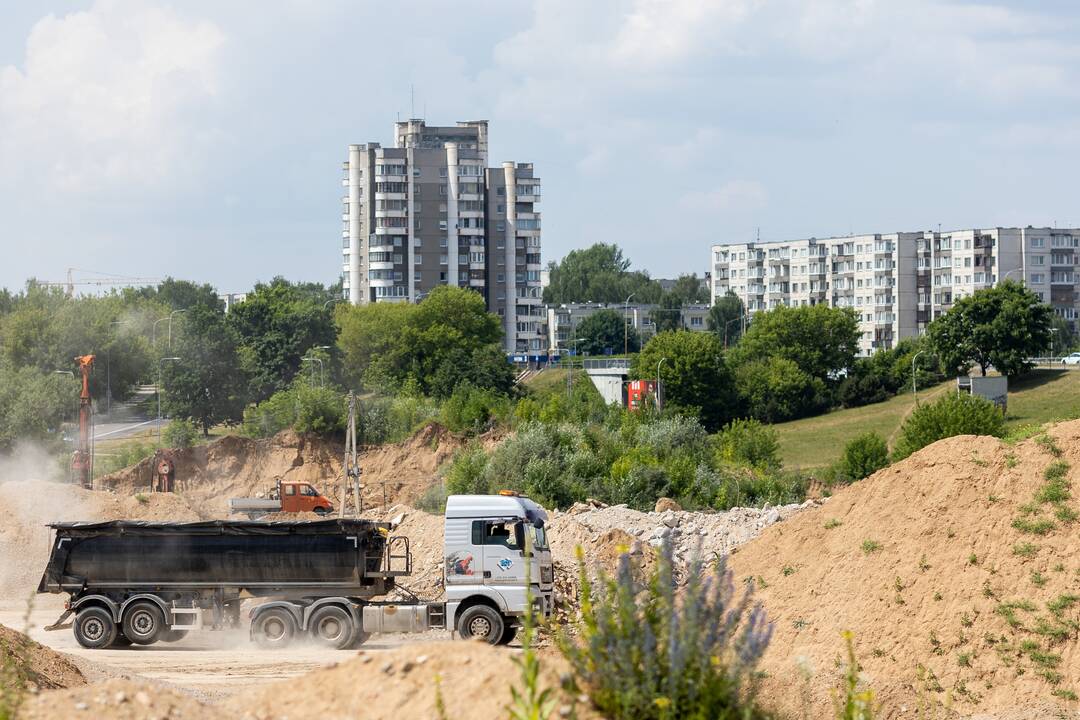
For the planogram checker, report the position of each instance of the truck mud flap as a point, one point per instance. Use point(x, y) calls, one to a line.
point(60, 624)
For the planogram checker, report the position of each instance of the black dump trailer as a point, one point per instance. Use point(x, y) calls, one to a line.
point(143, 582)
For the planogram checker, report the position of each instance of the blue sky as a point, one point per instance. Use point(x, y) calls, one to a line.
point(204, 140)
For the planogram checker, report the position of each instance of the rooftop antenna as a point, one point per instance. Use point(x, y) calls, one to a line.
point(758, 236)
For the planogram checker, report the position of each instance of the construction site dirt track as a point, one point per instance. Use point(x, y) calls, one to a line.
point(952, 606)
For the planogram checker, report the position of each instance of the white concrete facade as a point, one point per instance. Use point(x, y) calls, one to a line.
point(898, 282)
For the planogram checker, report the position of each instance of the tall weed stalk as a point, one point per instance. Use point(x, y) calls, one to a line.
point(655, 651)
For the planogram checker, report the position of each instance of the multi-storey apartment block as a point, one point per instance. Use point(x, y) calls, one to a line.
point(429, 211)
point(898, 282)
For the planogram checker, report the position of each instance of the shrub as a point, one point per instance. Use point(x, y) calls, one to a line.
point(179, 433)
point(466, 474)
point(302, 407)
point(474, 410)
point(864, 456)
point(953, 414)
point(775, 389)
point(434, 499)
point(748, 442)
point(646, 650)
point(121, 457)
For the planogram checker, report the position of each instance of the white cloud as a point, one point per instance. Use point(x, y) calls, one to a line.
point(105, 97)
point(732, 196)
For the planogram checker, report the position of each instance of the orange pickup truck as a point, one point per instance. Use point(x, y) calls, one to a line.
point(287, 496)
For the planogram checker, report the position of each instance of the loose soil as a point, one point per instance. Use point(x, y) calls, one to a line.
point(36, 666)
point(949, 603)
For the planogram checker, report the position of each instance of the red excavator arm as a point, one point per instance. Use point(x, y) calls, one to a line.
point(82, 462)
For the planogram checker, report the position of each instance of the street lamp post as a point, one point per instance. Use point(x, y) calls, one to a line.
point(174, 312)
point(312, 359)
point(626, 307)
point(161, 363)
point(570, 371)
point(914, 388)
point(659, 399)
point(726, 324)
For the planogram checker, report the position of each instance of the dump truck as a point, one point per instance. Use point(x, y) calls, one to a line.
point(287, 496)
point(141, 582)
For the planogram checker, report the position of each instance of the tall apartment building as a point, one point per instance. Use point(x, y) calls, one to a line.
point(429, 211)
point(898, 282)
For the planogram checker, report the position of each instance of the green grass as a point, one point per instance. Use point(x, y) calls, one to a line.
point(1040, 397)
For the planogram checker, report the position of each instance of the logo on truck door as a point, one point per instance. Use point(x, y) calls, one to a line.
point(506, 564)
point(460, 563)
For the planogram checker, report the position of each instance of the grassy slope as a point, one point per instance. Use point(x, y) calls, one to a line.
point(1043, 396)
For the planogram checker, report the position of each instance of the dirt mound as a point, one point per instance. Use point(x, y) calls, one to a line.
point(927, 562)
point(208, 475)
point(475, 681)
point(38, 667)
point(119, 699)
point(26, 507)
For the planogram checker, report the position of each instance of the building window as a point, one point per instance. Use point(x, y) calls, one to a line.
point(443, 260)
point(442, 190)
point(416, 276)
point(416, 172)
point(442, 172)
point(695, 321)
point(418, 259)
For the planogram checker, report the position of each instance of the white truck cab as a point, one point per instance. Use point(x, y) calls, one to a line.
point(496, 555)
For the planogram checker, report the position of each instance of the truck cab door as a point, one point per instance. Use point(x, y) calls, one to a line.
point(307, 497)
point(503, 562)
point(289, 501)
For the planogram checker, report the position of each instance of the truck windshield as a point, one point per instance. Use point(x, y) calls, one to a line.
point(539, 537)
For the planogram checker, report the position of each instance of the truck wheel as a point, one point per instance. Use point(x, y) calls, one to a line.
point(509, 633)
point(331, 626)
point(321, 511)
point(171, 636)
point(94, 628)
point(481, 621)
point(274, 628)
point(143, 622)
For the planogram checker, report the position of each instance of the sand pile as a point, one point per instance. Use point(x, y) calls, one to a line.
point(38, 667)
point(400, 685)
point(927, 562)
point(119, 699)
point(208, 475)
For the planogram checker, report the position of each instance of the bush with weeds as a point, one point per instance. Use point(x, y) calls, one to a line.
point(953, 414)
point(179, 433)
point(647, 651)
point(303, 407)
point(474, 410)
point(748, 442)
point(863, 456)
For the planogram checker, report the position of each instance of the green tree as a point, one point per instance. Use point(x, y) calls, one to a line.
point(603, 330)
point(694, 377)
point(775, 389)
point(431, 345)
point(206, 385)
point(1001, 326)
point(179, 294)
point(820, 340)
point(953, 414)
point(34, 404)
point(726, 318)
point(278, 324)
point(690, 290)
point(598, 274)
point(668, 316)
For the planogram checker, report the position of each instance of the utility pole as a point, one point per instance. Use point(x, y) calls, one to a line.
point(626, 306)
point(351, 466)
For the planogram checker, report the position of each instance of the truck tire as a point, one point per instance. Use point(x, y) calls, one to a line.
point(483, 622)
point(332, 626)
point(143, 622)
point(274, 629)
point(509, 633)
point(322, 511)
point(94, 628)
